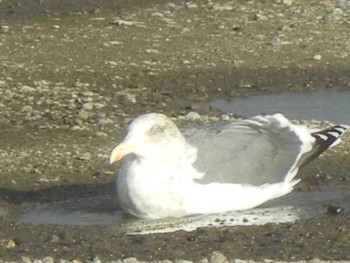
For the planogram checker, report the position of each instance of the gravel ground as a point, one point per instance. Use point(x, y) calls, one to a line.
point(73, 74)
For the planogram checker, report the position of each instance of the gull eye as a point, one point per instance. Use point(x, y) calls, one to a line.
point(156, 129)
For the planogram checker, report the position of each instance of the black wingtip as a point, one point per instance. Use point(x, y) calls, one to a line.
point(329, 137)
point(324, 139)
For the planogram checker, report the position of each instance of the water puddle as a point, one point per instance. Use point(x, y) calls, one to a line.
point(98, 210)
point(331, 106)
point(92, 211)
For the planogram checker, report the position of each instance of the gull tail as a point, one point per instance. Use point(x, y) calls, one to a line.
point(324, 140)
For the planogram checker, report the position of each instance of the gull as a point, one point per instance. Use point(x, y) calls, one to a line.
point(213, 168)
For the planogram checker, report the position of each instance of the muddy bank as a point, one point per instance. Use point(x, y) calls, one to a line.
point(73, 74)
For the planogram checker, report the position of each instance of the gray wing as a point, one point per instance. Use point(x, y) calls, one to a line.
point(248, 152)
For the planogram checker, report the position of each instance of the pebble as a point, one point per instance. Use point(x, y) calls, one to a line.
point(120, 22)
point(287, 2)
point(88, 106)
point(87, 93)
point(11, 244)
point(191, 5)
point(98, 19)
point(99, 105)
point(157, 14)
point(336, 13)
point(101, 134)
point(152, 51)
point(130, 97)
point(225, 117)
point(317, 57)
point(130, 260)
point(85, 156)
point(224, 7)
point(27, 109)
point(105, 121)
point(25, 88)
point(260, 17)
point(192, 116)
point(48, 260)
point(25, 260)
point(182, 261)
point(113, 43)
point(4, 29)
point(83, 115)
point(218, 257)
point(96, 260)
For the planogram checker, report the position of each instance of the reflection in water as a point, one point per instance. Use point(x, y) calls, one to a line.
point(89, 211)
point(333, 106)
point(99, 210)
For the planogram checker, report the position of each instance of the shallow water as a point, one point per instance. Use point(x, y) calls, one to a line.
point(290, 208)
point(323, 105)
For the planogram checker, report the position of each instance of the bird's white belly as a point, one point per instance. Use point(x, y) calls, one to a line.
point(152, 195)
point(158, 191)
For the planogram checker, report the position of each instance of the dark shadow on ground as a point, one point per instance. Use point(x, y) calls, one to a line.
point(55, 193)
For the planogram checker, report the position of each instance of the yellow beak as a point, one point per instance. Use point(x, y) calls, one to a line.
point(120, 151)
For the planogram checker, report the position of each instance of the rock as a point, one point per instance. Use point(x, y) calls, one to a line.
point(204, 260)
point(88, 106)
point(87, 93)
point(217, 257)
point(157, 14)
point(152, 51)
point(96, 260)
point(260, 17)
point(11, 244)
point(27, 109)
point(85, 156)
point(225, 117)
point(334, 210)
point(336, 13)
point(25, 260)
point(130, 97)
point(224, 7)
point(83, 115)
point(317, 57)
point(120, 22)
point(4, 29)
point(48, 260)
point(191, 5)
point(131, 260)
point(182, 261)
point(101, 134)
point(26, 88)
point(287, 2)
point(71, 106)
point(105, 121)
point(99, 105)
point(192, 116)
point(112, 43)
